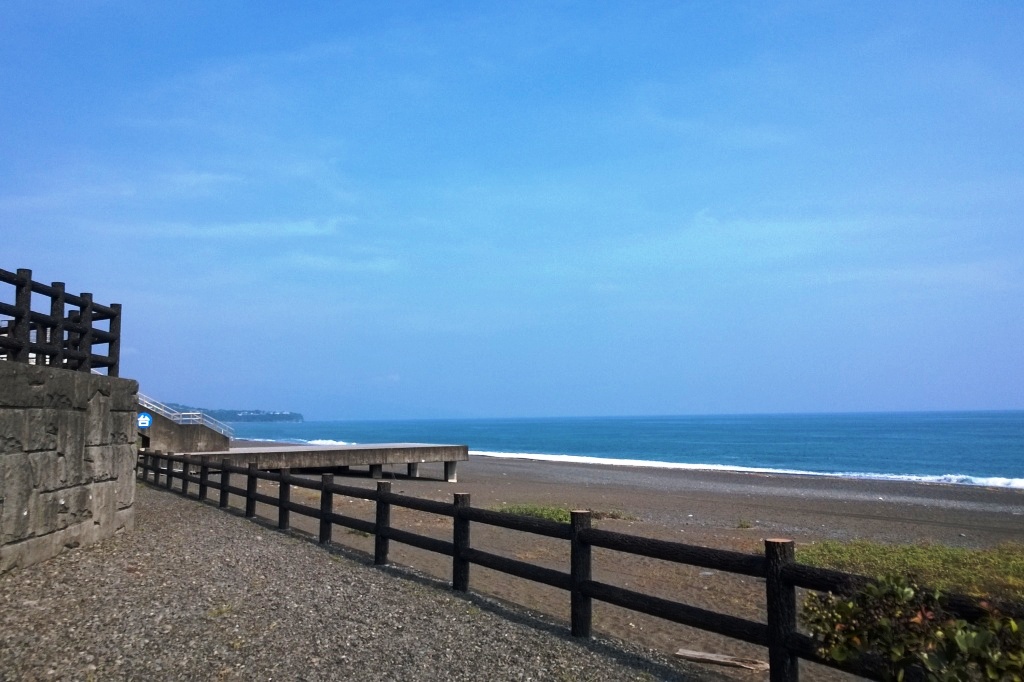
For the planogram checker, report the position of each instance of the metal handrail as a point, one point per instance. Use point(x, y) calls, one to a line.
point(185, 417)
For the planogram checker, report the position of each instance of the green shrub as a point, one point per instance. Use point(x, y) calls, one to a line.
point(996, 572)
point(897, 625)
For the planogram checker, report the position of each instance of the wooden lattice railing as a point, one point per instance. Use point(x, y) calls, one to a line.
point(66, 335)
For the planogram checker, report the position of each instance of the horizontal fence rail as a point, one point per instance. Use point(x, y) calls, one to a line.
point(58, 337)
point(778, 567)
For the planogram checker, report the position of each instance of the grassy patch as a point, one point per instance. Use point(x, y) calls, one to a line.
point(996, 572)
point(537, 511)
point(550, 512)
point(218, 611)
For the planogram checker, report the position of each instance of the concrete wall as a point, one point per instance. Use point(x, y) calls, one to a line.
point(67, 459)
point(169, 436)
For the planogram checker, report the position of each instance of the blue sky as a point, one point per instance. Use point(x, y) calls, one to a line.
point(406, 210)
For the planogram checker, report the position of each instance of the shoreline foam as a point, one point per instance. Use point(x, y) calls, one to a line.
point(951, 479)
point(947, 479)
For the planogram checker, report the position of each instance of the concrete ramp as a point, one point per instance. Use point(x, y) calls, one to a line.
point(173, 431)
point(170, 436)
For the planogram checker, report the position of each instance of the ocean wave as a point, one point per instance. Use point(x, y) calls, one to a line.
point(954, 479)
point(326, 442)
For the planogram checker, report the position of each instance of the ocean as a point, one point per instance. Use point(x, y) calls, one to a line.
point(970, 448)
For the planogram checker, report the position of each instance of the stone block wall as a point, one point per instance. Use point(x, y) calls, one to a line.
point(67, 460)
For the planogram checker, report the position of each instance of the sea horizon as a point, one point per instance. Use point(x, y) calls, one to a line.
point(978, 447)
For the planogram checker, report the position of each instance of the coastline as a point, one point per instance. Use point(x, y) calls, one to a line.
point(720, 509)
point(808, 506)
point(971, 448)
point(950, 478)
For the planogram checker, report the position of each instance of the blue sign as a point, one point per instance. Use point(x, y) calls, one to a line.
point(145, 419)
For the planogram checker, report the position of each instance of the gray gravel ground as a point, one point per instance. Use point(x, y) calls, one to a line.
point(199, 593)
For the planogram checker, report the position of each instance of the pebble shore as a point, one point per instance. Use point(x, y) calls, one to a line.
point(198, 593)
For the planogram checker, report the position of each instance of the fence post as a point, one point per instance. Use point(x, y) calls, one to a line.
point(580, 605)
point(184, 477)
point(155, 463)
point(250, 491)
point(284, 498)
point(460, 543)
point(114, 347)
point(170, 471)
point(383, 525)
point(781, 597)
point(85, 340)
point(23, 314)
point(225, 483)
point(56, 339)
point(326, 507)
point(71, 343)
point(204, 480)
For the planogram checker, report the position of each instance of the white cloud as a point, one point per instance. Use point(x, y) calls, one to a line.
point(238, 230)
point(327, 263)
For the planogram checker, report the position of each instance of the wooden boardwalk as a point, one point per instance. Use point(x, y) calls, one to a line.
point(338, 458)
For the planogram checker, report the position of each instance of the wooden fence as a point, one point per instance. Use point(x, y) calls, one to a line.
point(778, 567)
point(58, 338)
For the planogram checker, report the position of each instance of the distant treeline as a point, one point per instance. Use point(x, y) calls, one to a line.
point(241, 415)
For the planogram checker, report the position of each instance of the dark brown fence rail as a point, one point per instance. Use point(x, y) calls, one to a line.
point(778, 567)
point(58, 337)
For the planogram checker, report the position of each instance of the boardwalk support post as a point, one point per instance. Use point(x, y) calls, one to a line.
point(781, 596)
point(450, 473)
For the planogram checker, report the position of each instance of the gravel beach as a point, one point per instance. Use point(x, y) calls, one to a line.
point(198, 593)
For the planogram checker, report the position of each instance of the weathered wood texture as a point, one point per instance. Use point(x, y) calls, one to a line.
point(781, 598)
point(382, 524)
point(580, 555)
point(460, 544)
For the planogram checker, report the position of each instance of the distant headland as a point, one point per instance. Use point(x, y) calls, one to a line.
point(241, 415)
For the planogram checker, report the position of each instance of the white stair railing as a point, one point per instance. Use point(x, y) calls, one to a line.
point(185, 417)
